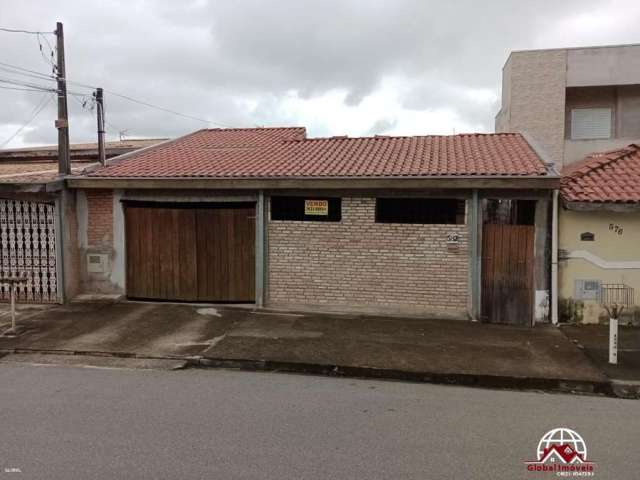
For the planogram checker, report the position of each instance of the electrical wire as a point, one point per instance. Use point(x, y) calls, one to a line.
point(20, 83)
point(41, 34)
point(48, 60)
point(17, 30)
point(84, 101)
point(24, 71)
point(25, 75)
point(37, 90)
point(88, 103)
point(150, 105)
point(43, 103)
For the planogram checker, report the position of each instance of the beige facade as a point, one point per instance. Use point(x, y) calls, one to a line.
point(541, 88)
point(612, 257)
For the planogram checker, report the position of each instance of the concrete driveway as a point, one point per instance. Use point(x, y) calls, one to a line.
point(142, 328)
point(408, 348)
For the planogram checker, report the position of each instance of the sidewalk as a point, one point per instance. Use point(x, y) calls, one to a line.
point(443, 351)
point(594, 341)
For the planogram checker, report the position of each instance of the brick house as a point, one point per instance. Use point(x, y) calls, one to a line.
point(435, 225)
point(32, 237)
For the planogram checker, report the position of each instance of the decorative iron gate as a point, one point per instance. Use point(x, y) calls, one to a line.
point(28, 247)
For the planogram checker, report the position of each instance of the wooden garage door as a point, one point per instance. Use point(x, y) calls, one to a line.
point(186, 252)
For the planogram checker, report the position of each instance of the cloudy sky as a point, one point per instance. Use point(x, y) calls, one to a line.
point(355, 67)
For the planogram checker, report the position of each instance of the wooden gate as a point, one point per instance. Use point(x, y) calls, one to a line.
point(203, 254)
point(28, 247)
point(507, 274)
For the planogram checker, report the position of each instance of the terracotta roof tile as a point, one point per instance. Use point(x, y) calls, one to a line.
point(612, 176)
point(19, 173)
point(286, 152)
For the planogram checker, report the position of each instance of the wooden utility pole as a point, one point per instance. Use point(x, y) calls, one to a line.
point(100, 112)
point(62, 123)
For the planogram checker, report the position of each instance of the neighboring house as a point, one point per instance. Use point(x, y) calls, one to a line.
point(570, 103)
point(600, 233)
point(454, 226)
point(573, 101)
point(31, 193)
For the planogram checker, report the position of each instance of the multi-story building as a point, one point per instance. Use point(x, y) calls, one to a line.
point(573, 101)
point(581, 106)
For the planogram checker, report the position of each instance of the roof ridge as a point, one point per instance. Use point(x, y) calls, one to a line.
point(227, 129)
point(389, 137)
point(599, 160)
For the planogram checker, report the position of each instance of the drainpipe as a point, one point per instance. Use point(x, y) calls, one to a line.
point(260, 250)
point(554, 260)
point(475, 253)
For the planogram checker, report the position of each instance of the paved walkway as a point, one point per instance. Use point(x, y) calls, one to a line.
point(431, 350)
point(594, 339)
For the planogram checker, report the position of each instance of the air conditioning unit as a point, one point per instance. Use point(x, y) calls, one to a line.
point(587, 289)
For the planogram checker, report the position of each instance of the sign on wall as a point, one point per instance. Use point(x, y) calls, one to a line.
point(316, 207)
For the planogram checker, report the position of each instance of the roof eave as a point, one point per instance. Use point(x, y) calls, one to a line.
point(548, 182)
point(599, 206)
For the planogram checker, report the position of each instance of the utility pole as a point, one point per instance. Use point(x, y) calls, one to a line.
point(100, 112)
point(62, 123)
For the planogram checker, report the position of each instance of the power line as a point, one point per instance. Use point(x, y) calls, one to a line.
point(83, 101)
point(151, 105)
point(26, 75)
point(33, 72)
point(38, 90)
point(43, 103)
point(115, 94)
point(17, 30)
point(49, 60)
point(22, 83)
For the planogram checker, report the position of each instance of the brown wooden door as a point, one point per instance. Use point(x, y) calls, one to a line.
point(226, 254)
point(191, 254)
point(507, 274)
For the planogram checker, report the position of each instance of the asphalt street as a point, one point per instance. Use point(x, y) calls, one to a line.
point(69, 422)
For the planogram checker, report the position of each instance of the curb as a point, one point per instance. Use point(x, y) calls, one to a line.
point(626, 389)
point(93, 353)
point(461, 379)
point(584, 387)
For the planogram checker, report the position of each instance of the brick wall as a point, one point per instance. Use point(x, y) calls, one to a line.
point(360, 263)
point(535, 86)
point(99, 218)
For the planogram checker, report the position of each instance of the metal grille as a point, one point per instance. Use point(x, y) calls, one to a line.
point(28, 247)
point(616, 294)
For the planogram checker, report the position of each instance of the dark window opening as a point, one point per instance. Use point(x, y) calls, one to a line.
point(509, 212)
point(420, 210)
point(307, 209)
